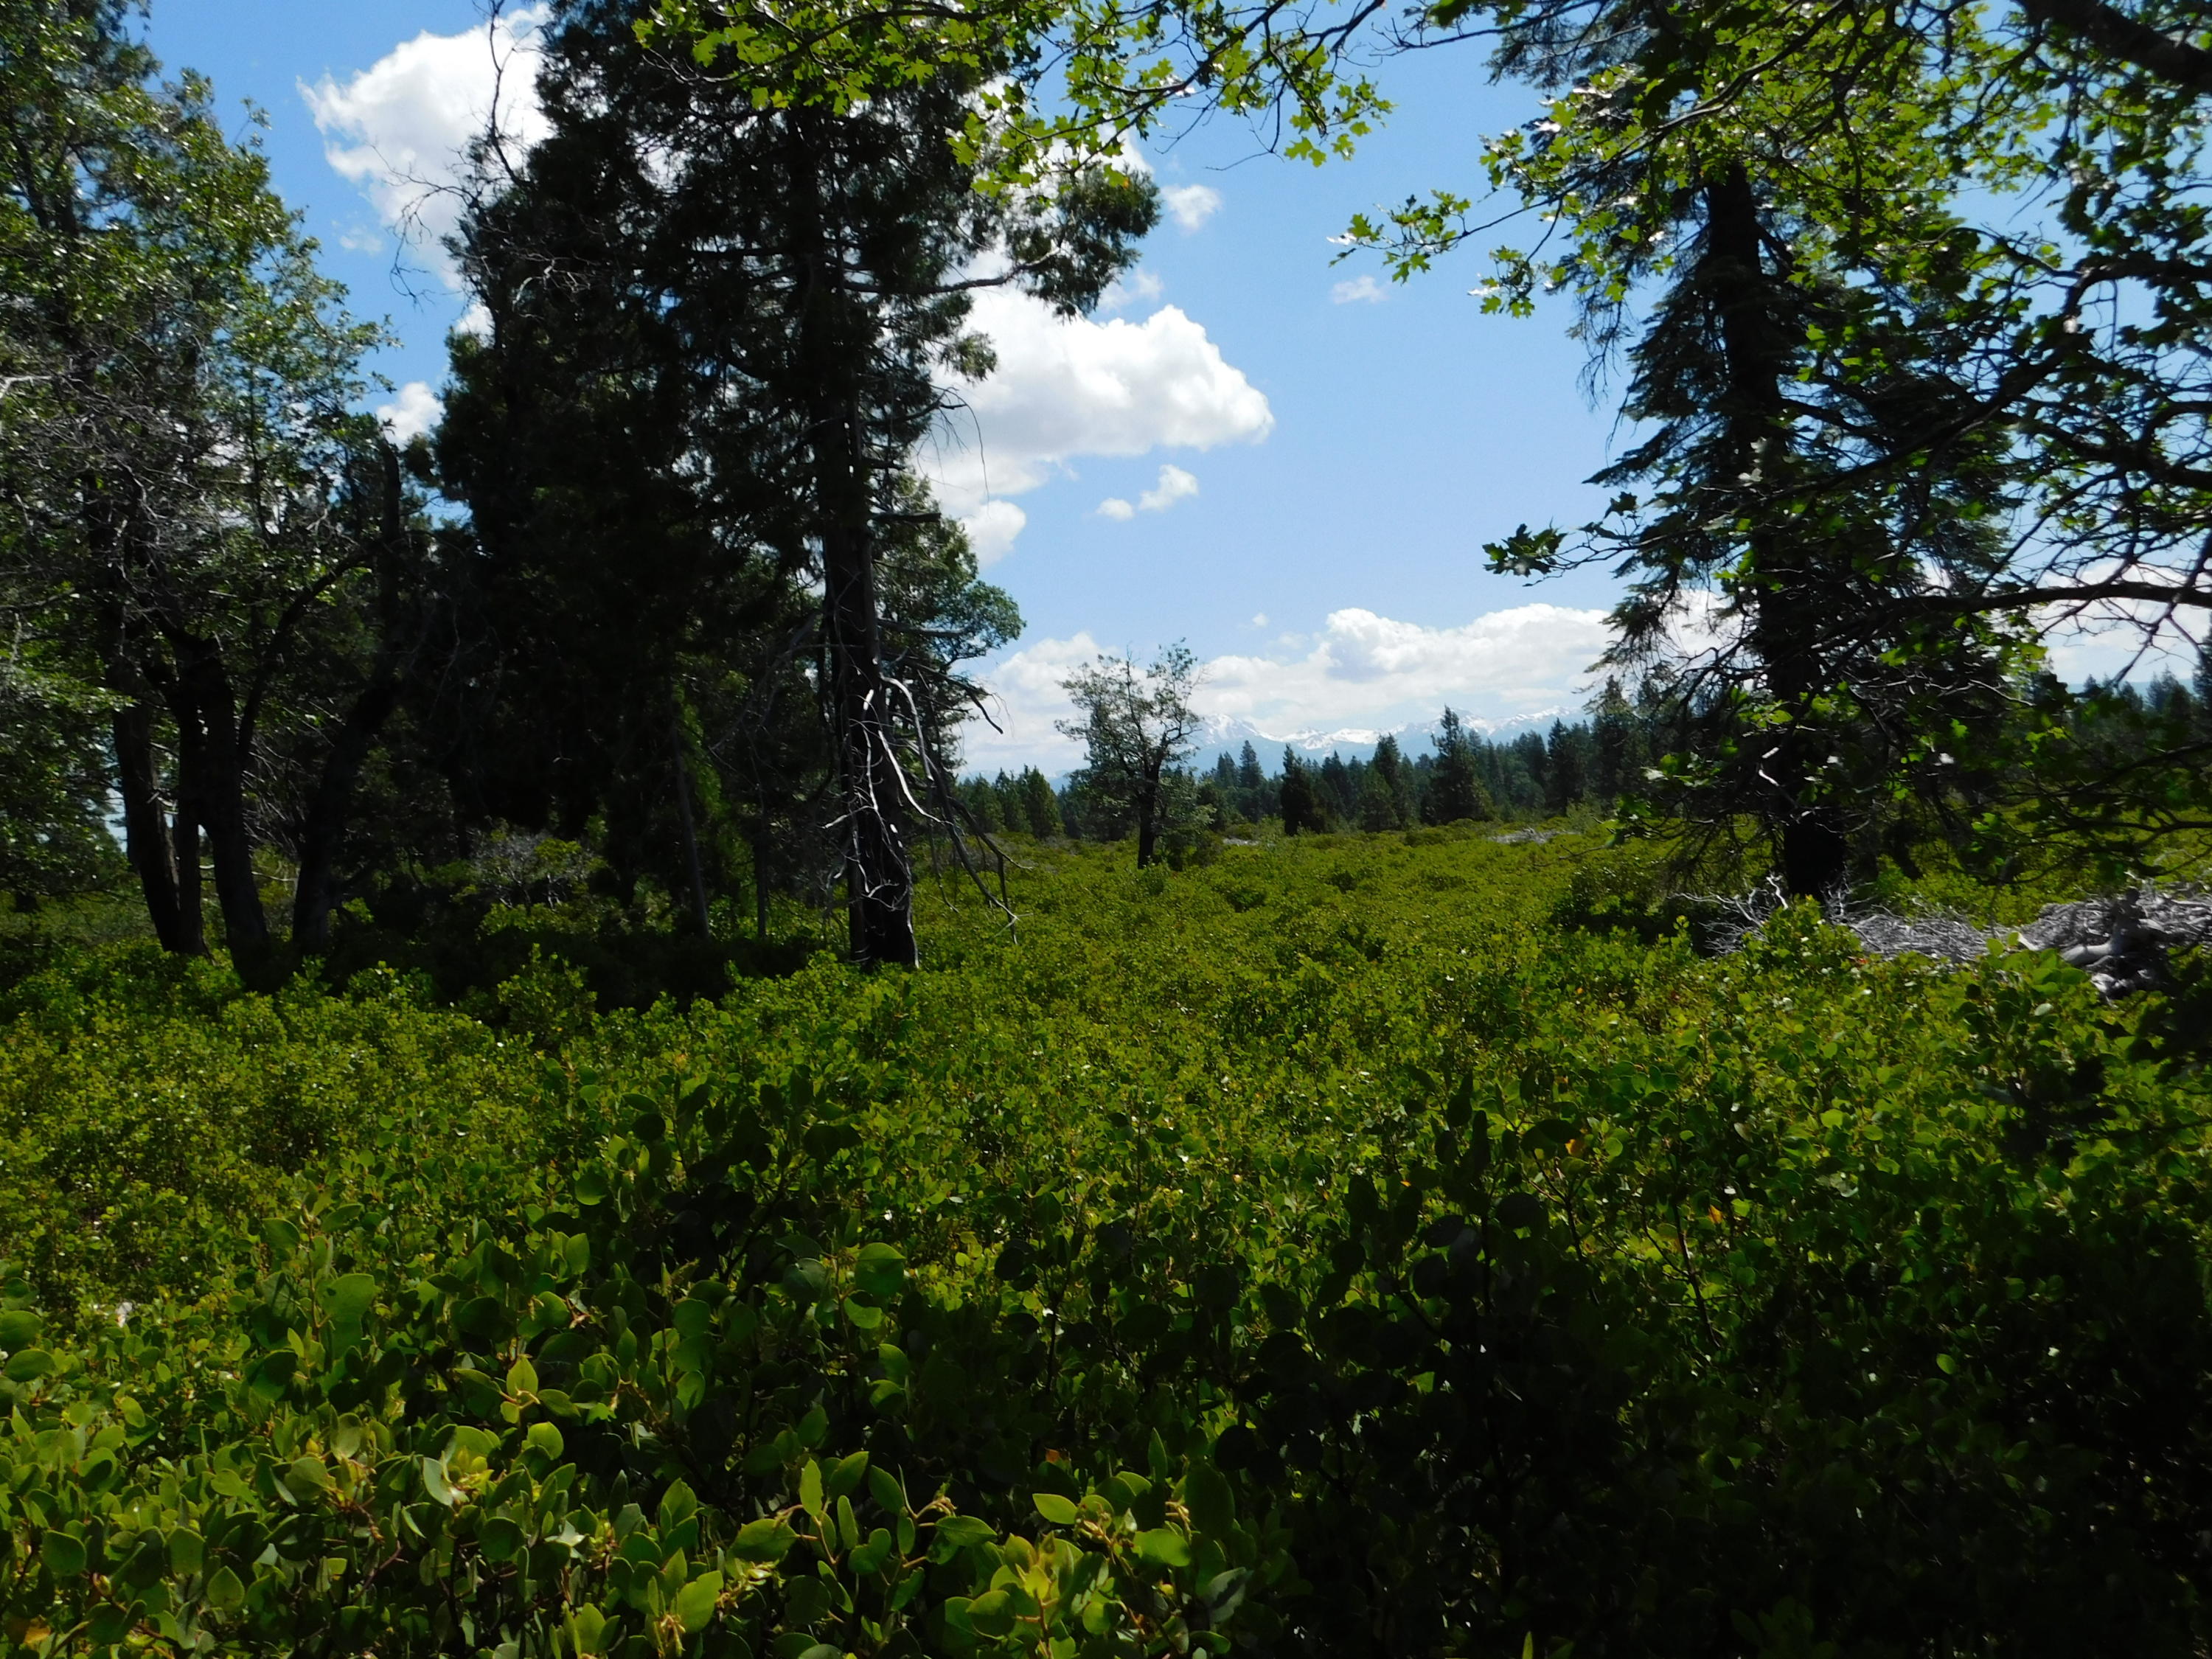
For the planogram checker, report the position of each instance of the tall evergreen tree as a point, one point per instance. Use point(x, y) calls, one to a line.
point(759, 295)
point(1456, 790)
point(1301, 803)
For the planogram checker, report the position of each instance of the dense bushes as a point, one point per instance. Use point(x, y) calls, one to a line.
point(1322, 1253)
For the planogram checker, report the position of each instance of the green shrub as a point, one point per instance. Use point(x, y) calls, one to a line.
point(1325, 1254)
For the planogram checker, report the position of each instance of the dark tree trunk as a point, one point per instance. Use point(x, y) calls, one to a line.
point(1784, 627)
point(836, 337)
point(1148, 819)
point(211, 766)
point(192, 927)
point(322, 830)
point(145, 837)
point(760, 882)
point(699, 911)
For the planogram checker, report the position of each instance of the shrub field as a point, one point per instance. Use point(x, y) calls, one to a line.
point(1403, 1245)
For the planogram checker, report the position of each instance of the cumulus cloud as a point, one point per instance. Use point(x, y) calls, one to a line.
point(412, 412)
point(1362, 289)
point(991, 529)
point(1067, 387)
point(1131, 287)
point(1174, 485)
point(1024, 700)
point(1361, 670)
point(399, 129)
point(1190, 205)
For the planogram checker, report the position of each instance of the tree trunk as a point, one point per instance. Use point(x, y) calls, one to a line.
point(192, 927)
point(211, 766)
point(1148, 819)
point(329, 812)
point(145, 837)
point(1785, 617)
point(760, 882)
point(836, 337)
point(699, 911)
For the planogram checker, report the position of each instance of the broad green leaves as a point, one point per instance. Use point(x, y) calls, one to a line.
point(1226, 1256)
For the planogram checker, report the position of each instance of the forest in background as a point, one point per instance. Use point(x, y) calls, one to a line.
point(1878, 451)
point(540, 1114)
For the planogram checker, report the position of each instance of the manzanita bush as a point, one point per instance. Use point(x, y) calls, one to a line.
point(1350, 1249)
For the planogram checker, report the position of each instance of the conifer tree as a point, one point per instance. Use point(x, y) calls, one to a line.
point(1456, 790)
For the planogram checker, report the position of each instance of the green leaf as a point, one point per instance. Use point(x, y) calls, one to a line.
point(271, 1374)
point(224, 1592)
point(19, 1328)
point(590, 1187)
point(1210, 1499)
point(1164, 1548)
point(186, 1551)
point(585, 1625)
point(869, 1558)
point(810, 1490)
point(695, 1601)
point(846, 1476)
point(63, 1553)
point(435, 1482)
point(351, 1298)
point(992, 1613)
point(307, 1477)
point(500, 1539)
point(521, 1378)
point(1060, 1511)
point(880, 1270)
point(27, 1364)
point(765, 1540)
point(678, 1505)
point(885, 1490)
point(962, 1530)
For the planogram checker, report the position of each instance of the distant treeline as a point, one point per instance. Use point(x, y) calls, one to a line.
point(1596, 761)
point(1461, 775)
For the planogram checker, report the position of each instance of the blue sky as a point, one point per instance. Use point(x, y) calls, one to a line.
point(1287, 462)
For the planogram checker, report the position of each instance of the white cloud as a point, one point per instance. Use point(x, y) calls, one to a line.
point(1258, 619)
point(992, 529)
point(1131, 287)
point(414, 411)
point(1362, 289)
point(1074, 386)
point(399, 128)
point(1191, 205)
point(1362, 670)
point(1175, 485)
point(1025, 699)
point(476, 321)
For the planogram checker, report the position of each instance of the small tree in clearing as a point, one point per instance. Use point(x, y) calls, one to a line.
point(1137, 726)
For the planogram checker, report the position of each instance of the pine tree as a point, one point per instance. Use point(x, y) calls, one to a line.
point(1301, 804)
point(1456, 790)
point(1383, 791)
point(1040, 804)
point(1565, 777)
